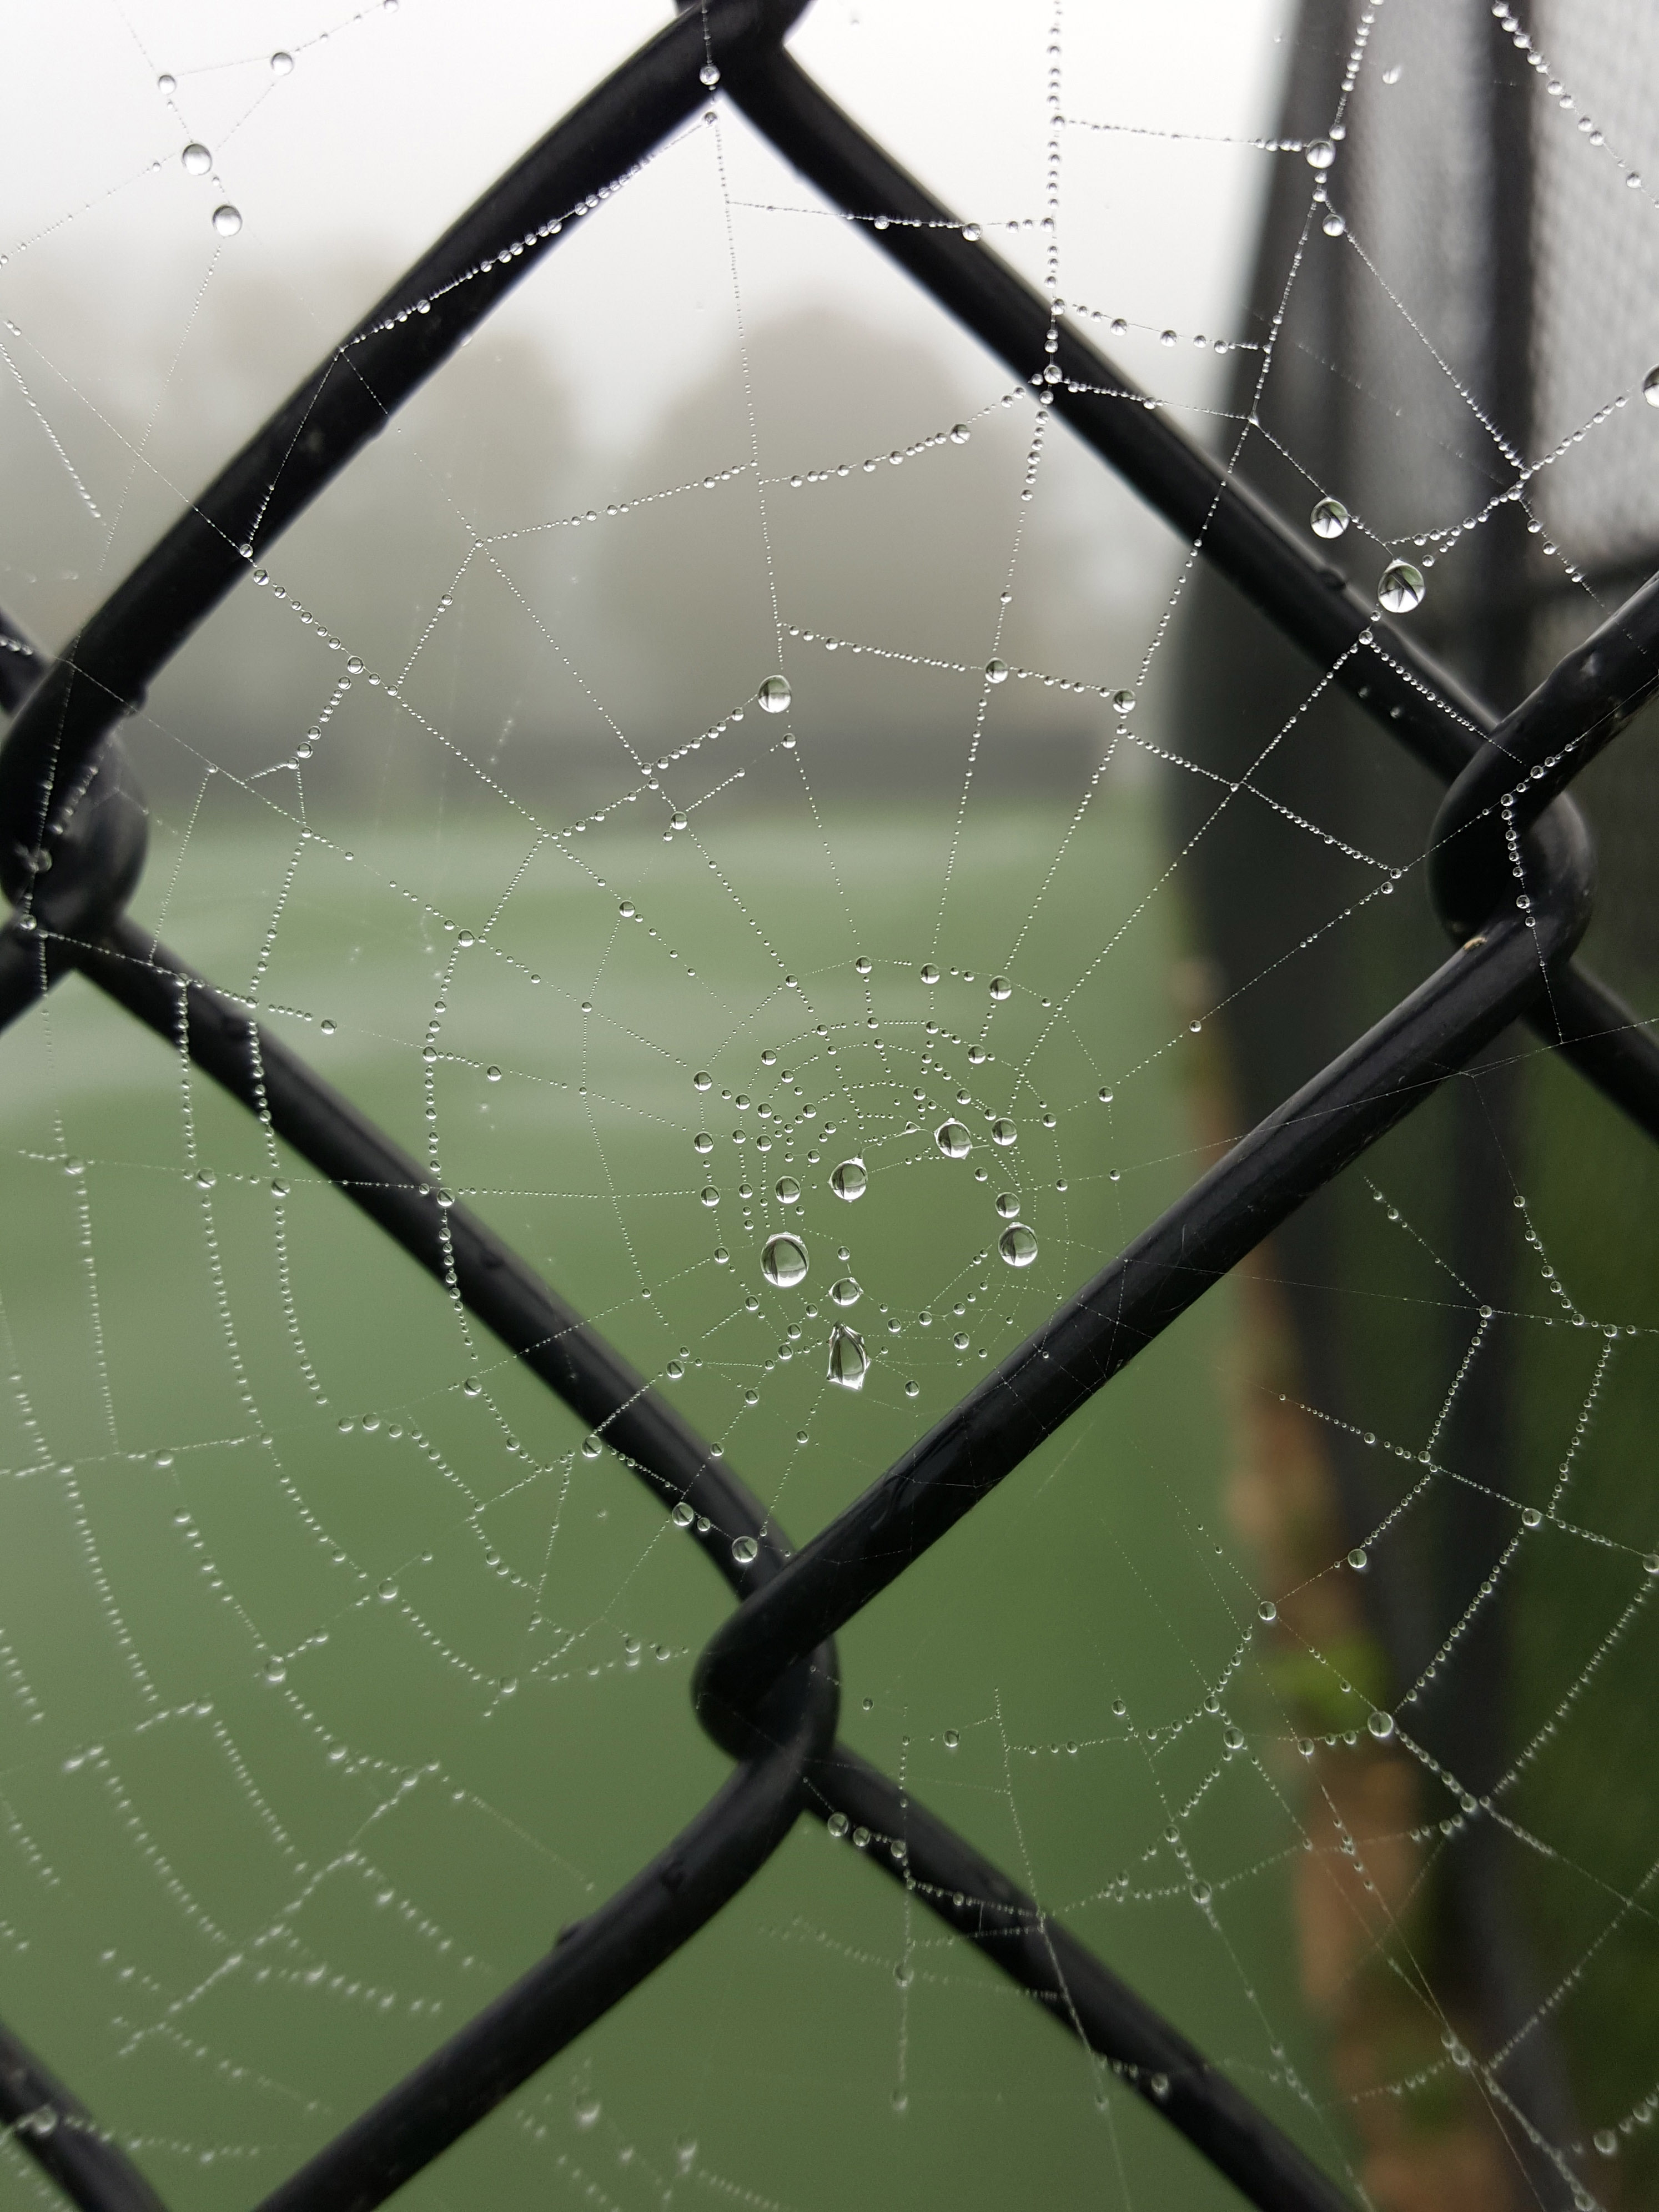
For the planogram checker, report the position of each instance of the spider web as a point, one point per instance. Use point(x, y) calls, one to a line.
point(722, 742)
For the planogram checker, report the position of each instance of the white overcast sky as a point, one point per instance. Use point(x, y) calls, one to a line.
point(392, 120)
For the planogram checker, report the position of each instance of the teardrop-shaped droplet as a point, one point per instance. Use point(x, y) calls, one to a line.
point(1004, 1133)
point(1001, 988)
point(227, 220)
point(783, 1261)
point(196, 159)
point(996, 671)
point(788, 1190)
point(1018, 1245)
point(848, 1291)
point(849, 1363)
point(849, 1181)
point(1329, 518)
point(1400, 589)
point(953, 1140)
point(774, 696)
point(1651, 388)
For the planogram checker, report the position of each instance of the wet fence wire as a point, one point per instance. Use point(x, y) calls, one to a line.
point(1511, 866)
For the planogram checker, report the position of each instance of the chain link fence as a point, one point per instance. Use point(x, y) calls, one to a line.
point(1511, 866)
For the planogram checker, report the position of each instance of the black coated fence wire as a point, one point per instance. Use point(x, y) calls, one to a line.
point(1511, 868)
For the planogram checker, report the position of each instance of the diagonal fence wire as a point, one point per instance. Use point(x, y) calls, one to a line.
point(767, 1688)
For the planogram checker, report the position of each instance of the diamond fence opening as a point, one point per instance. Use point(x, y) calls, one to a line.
point(1508, 860)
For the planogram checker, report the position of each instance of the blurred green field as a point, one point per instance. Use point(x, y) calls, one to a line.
point(337, 1690)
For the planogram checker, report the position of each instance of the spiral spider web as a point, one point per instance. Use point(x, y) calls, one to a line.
point(343, 1668)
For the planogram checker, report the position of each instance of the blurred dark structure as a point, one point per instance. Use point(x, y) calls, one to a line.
point(1445, 330)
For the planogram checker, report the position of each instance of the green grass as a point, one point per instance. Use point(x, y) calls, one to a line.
point(186, 1521)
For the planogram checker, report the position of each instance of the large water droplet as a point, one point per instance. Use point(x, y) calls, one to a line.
point(953, 1140)
point(1381, 1725)
point(282, 63)
point(1651, 388)
point(1123, 703)
point(929, 973)
point(227, 220)
point(1329, 518)
point(849, 1363)
point(1018, 1245)
point(1321, 154)
point(774, 695)
point(788, 1190)
point(709, 1196)
point(849, 1180)
point(1004, 1133)
point(848, 1291)
point(1008, 1207)
point(996, 671)
point(744, 1550)
point(196, 159)
point(701, 1081)
point(783, 1261)
point(1400, 589)
point(1001, 988)
point(709, 74)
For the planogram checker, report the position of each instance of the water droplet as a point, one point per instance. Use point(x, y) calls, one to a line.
point(996, 671)
point(960, 1341)
point(1233, 1736)
point(585, 2111)
point(929, 973)
point(685, 2150)
point(471, 1388)
point(196, 159)
point(953, 1140)
point(846, 1292)
point(275, 1671)
point(1008, 1205)
point(1651, 388)
point(1531, 1518)
point(1400, 589)
point(783, 1261)
point(227, 220)
point(849, 1180)
point(282, 63)
point(1004, 1133)
point(861, 966)
point(388, 1590)
point(591, 1447)
point(1329, 518)
point(41, 2121)
point(709, 1195)
point(492, 1075)
point(1018, 1245)
point(446, 1200)
point(1001, 988)
point(1267, 1611)
point(1321, 154)
point(788, 1190)
point(681, 1516)
point(1650, 1563)
point(849, 1363)
point(708, 74)
point(1359, 1559)
point(1394, 72)
point(744, 1550)
point(1381, 1725)
point(1334, 225)
point(838, 1824)
point(167, 84)
point(1201, 1891)
point(1606, 2141)
point(73, 1168)
point(205, 1179)
point(774, 696)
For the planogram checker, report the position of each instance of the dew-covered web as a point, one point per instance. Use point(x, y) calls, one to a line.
point(722, 781)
